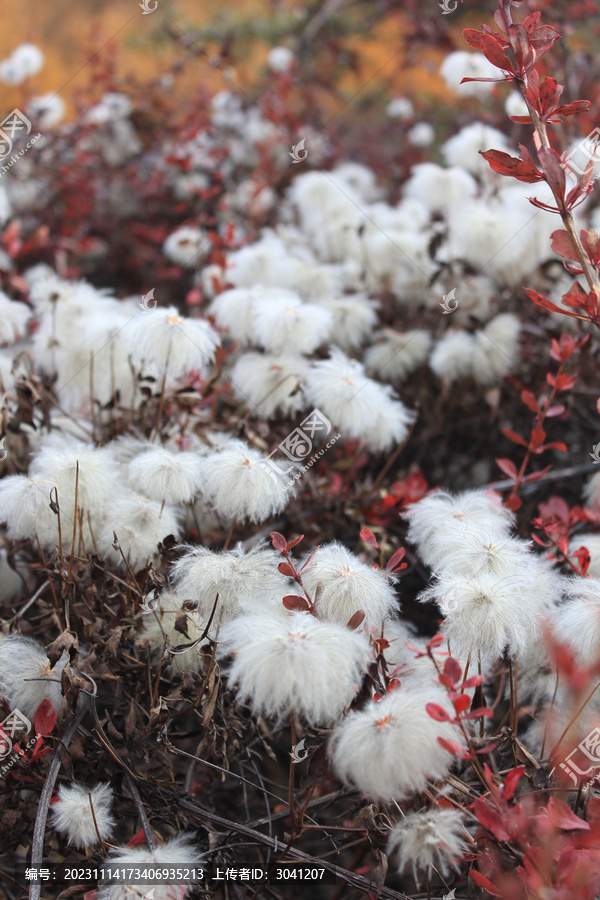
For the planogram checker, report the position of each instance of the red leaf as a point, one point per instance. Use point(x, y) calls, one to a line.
point(293, 543)
point(575, 297)
point(553, 170)
point(481, 881)
point(491, 47)
point(286, 569)
point(479, 713)
point(278, 541)
point(294, 602)
point(508, 467)
point(368, 537)
point(563, 816)
point(548, 304)
point(437, 712)
point(491, 819)
point(563, 245)
point(45, 718)
point(515, 438)
point(538, 436)
point(461, 703)
point(513, 503)
point(453, 670)
point(511, 782)
point(451, 746)
point(394, 559)
point(473, 681)
point(505, 164)
point(138, 838)
point(530, 401)
point(356, 620)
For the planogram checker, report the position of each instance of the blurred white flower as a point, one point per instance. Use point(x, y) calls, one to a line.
point(13, 319)
point(496, 350)
point(462, 64)
point(452, 355)
point(400, 108)
point(421, 135)
point(430, 840)
point(47, 110)
point(439, 188)
point(238, 485)
point(360, 407)
point(396, 355)
point(72, 814)
point(26, 60)
point(340, 584)
point(463, 148)
point(281, 59)
point(515, 105)
point(389, 749)
point(26, 676)
point(186, 247)
point(295, 663)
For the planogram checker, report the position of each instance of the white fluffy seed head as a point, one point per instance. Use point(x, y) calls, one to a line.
point(243, 580)
point(390, 748)
point(186, 247)
point(452, 356)
point(168, 608)
point(396, 355)
point(72, 814)
point(162, 341)
point(140, 524)
point(439, 522)
point(271, 382)
point(26, 676)
point(178, 851)
point(25, 508)
point(288, 324)
point(577, 619)
point(485, 615)
point(423, 841)
point(340, 585)
point(294, 663)
point(360, 407)
point(496, 350)
point(354, 318)
point(13, 319)
point(239, 482)
point(161, 475)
